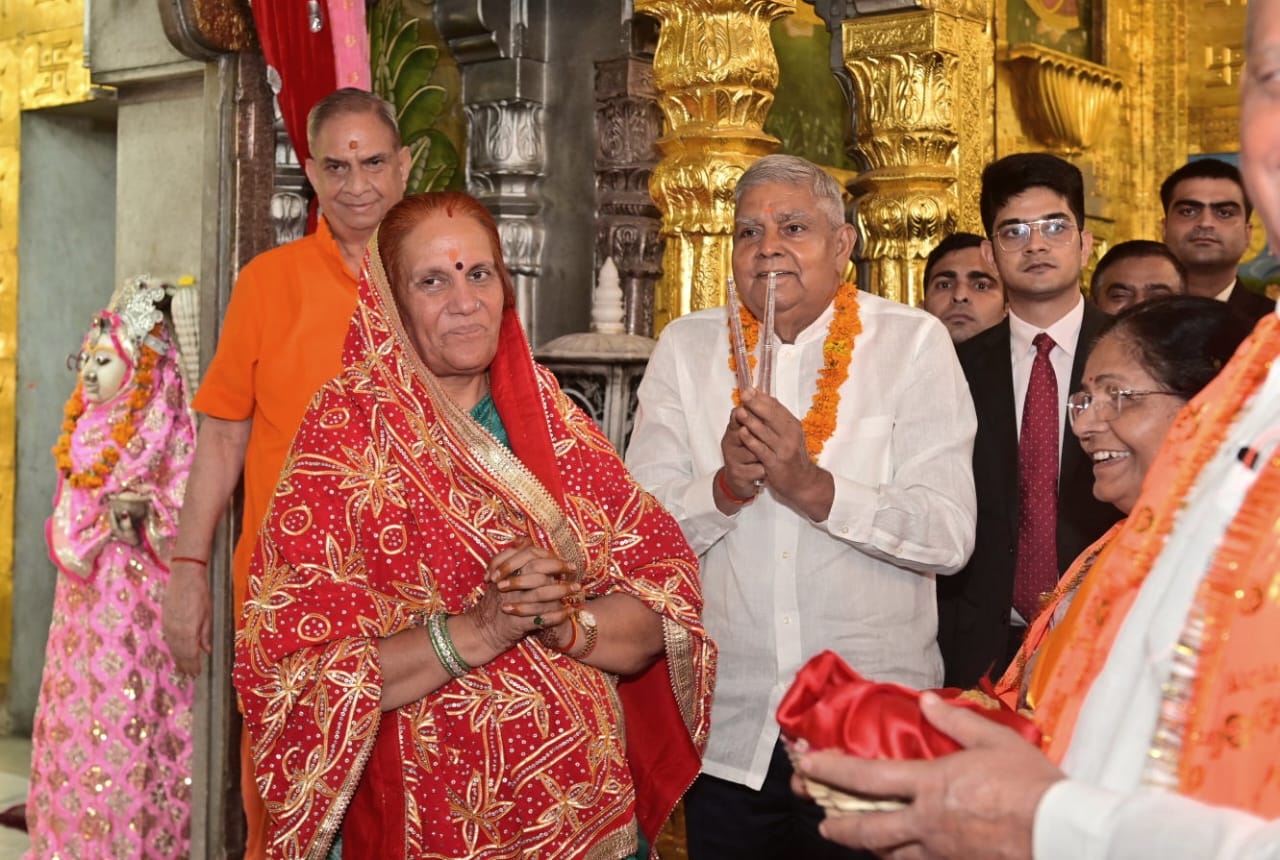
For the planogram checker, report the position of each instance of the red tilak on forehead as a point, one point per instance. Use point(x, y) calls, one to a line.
point(352, 144)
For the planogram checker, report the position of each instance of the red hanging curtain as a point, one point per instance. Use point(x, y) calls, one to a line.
point(304, 60)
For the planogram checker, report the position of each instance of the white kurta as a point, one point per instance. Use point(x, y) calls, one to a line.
point(778, 587)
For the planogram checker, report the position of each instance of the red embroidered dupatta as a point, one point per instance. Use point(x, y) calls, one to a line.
point(390, 504)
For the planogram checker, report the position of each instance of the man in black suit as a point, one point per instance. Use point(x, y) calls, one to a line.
point(1206, 225)
point(1033, 211)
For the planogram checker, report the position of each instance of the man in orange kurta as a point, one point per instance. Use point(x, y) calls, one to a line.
point(281, 340)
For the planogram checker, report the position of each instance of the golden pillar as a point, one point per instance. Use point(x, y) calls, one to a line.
point(715, 72)
point(923, 117)
point(41, 65)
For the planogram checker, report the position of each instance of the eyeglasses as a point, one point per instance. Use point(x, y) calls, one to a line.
point(1054, 231)
point(1107, 405)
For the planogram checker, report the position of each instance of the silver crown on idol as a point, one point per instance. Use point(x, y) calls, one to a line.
point(137, 303)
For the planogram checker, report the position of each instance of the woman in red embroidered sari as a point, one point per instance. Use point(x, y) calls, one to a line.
point(459, 591)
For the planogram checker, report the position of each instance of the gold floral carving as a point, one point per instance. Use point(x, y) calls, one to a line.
point(715, 72)
point(41, 65)
point(1066, 102)
point(922, 112)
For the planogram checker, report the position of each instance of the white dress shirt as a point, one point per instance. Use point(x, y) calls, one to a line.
point(1104, 810)
point(778, 587)
point(1066, 334)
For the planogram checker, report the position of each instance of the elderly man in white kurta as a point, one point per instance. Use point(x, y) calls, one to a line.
point(821, 512)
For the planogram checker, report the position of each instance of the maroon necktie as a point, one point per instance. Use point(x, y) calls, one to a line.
point(1037, 563)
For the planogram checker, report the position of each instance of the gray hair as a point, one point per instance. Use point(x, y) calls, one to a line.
point(793, 170)
point(349, 100)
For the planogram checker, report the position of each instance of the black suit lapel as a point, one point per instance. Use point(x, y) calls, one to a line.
point(990, 373)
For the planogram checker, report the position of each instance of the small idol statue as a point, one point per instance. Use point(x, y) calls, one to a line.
point(111, 747)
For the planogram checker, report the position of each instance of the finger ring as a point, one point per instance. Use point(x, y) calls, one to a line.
point(537, 621)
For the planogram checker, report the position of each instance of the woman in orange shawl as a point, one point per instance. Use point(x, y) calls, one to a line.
point(455, 570)
point(1145, 366)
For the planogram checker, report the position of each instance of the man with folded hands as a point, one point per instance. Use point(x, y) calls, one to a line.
point(822, 510)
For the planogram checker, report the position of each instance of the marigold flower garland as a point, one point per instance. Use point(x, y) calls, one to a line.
point(837, 352)
point(122, 432)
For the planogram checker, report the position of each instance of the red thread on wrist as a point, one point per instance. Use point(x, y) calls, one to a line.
point(187, 558)
point(728, 493)
point(573, 637)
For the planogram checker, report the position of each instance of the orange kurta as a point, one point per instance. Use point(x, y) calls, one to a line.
point(281, 340)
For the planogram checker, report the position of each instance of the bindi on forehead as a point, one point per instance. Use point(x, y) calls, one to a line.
point(353, 144)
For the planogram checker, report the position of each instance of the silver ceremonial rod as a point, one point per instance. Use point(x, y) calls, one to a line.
point(739, 341)
point(768, 348)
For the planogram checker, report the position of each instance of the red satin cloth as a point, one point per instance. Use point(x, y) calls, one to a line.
point(831, 706)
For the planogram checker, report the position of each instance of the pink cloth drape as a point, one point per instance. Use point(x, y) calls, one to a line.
point(350, 43)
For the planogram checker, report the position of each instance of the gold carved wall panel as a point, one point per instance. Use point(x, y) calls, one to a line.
point(1214, 60)
point(923, 106)
point(1142, 45)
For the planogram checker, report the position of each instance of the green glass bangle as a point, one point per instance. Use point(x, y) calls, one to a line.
point(442, 644)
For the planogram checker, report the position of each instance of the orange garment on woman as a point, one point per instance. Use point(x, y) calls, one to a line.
point(1011, 688)
point(1221, 709)
point(281, 339)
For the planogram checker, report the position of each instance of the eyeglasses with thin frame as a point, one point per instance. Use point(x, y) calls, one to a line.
point(1054, 231)
point(1107, 405)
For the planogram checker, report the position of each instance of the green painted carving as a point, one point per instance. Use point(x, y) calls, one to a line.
point(405, 74)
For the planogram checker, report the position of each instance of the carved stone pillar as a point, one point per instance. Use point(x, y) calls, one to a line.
point(628, 225)
point(504, 98)
point(921, 85)
point(507, 143)
point(716, 72)
point(288, 194)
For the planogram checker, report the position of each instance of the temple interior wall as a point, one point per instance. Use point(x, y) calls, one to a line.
point(66, 253)
point(110, 189)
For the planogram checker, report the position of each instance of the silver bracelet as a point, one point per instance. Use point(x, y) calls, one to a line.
point(442, 644)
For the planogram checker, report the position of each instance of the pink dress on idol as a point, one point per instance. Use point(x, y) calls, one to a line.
point(111, 756)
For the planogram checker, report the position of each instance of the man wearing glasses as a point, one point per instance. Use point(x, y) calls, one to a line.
point(1206, 226)
point(1036, 510)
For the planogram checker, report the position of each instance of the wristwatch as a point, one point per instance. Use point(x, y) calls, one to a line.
point(589, 630)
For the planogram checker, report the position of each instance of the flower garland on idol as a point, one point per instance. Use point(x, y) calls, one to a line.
point(837, 351)
point(122, 431)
